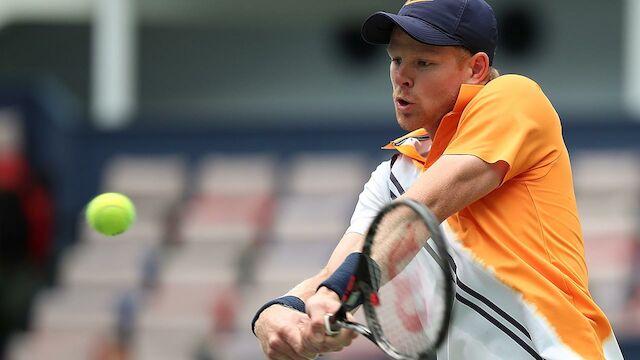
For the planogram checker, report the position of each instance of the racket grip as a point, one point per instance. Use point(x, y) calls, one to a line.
point(330, 326)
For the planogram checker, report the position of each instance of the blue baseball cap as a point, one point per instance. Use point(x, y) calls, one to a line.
point(468, 23)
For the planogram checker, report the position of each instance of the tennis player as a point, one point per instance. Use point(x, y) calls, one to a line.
point(485, 153)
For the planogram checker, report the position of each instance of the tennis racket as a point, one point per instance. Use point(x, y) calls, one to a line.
point(407, 292)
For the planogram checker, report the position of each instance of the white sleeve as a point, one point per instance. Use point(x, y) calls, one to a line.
point(374, 196)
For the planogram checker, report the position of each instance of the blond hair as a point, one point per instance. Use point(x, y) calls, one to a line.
point(493, 74)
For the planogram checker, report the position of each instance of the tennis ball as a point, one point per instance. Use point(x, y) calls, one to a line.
point(110, 213)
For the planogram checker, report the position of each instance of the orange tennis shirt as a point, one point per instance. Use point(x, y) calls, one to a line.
point(526, 233)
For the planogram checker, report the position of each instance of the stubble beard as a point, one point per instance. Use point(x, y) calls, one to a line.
point(411, 121)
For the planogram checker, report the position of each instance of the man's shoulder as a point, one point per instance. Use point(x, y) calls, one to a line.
point(513, 83)
point(510, 89)
point(511, 94)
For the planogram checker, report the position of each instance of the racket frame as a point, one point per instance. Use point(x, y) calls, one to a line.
point(366, 275)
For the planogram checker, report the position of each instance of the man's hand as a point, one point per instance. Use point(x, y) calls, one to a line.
point(325, 301)
point(279, 330)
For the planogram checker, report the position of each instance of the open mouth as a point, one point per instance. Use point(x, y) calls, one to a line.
point(403, 102)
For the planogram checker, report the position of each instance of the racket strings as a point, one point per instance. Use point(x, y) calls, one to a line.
point(412, 307)
point(399, 236)
point(412, 300)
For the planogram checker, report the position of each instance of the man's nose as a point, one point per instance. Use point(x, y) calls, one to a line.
point(401, 77)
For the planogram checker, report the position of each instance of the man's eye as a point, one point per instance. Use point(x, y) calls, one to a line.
point(423, 63)
point(396, 61)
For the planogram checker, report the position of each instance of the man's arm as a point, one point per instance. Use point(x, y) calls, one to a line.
point(275, 329)
point(454, 182)
point(350, 242)
point(278, 328)
point(449, 185)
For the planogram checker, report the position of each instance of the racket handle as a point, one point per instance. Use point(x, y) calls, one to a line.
point(330, 326)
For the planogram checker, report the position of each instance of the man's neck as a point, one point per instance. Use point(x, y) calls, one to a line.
point(432, 129)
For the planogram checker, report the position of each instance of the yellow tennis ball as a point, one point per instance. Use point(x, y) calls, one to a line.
point(110, 213)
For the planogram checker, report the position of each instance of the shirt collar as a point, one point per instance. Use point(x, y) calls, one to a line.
point(466, 93)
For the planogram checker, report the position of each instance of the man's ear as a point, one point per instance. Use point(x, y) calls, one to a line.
point(480, 68)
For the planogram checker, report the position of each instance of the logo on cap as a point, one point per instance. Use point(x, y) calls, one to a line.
point(409, 2)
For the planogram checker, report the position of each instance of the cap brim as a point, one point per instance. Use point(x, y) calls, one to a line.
point(377, 30)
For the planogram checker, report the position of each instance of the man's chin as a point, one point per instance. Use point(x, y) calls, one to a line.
point(407, 123)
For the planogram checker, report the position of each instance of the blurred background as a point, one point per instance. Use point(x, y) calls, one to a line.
point(244, 131)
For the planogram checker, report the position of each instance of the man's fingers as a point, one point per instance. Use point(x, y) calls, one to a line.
point(277, 349)
point(292, 354)
point(324, 302)
point(310, 340)
point(307, 349)
point(343, 339)
point(275, 355)
point(346, 337)
point(315, 332)
point(279, 331)
point(299, 344)
point(326, 343)
point(288, 346)
point(292, 338)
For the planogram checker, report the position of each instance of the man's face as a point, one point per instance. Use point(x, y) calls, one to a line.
point(426, 80)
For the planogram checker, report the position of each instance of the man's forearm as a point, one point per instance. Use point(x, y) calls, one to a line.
point(308, 287)
point(350, 242)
